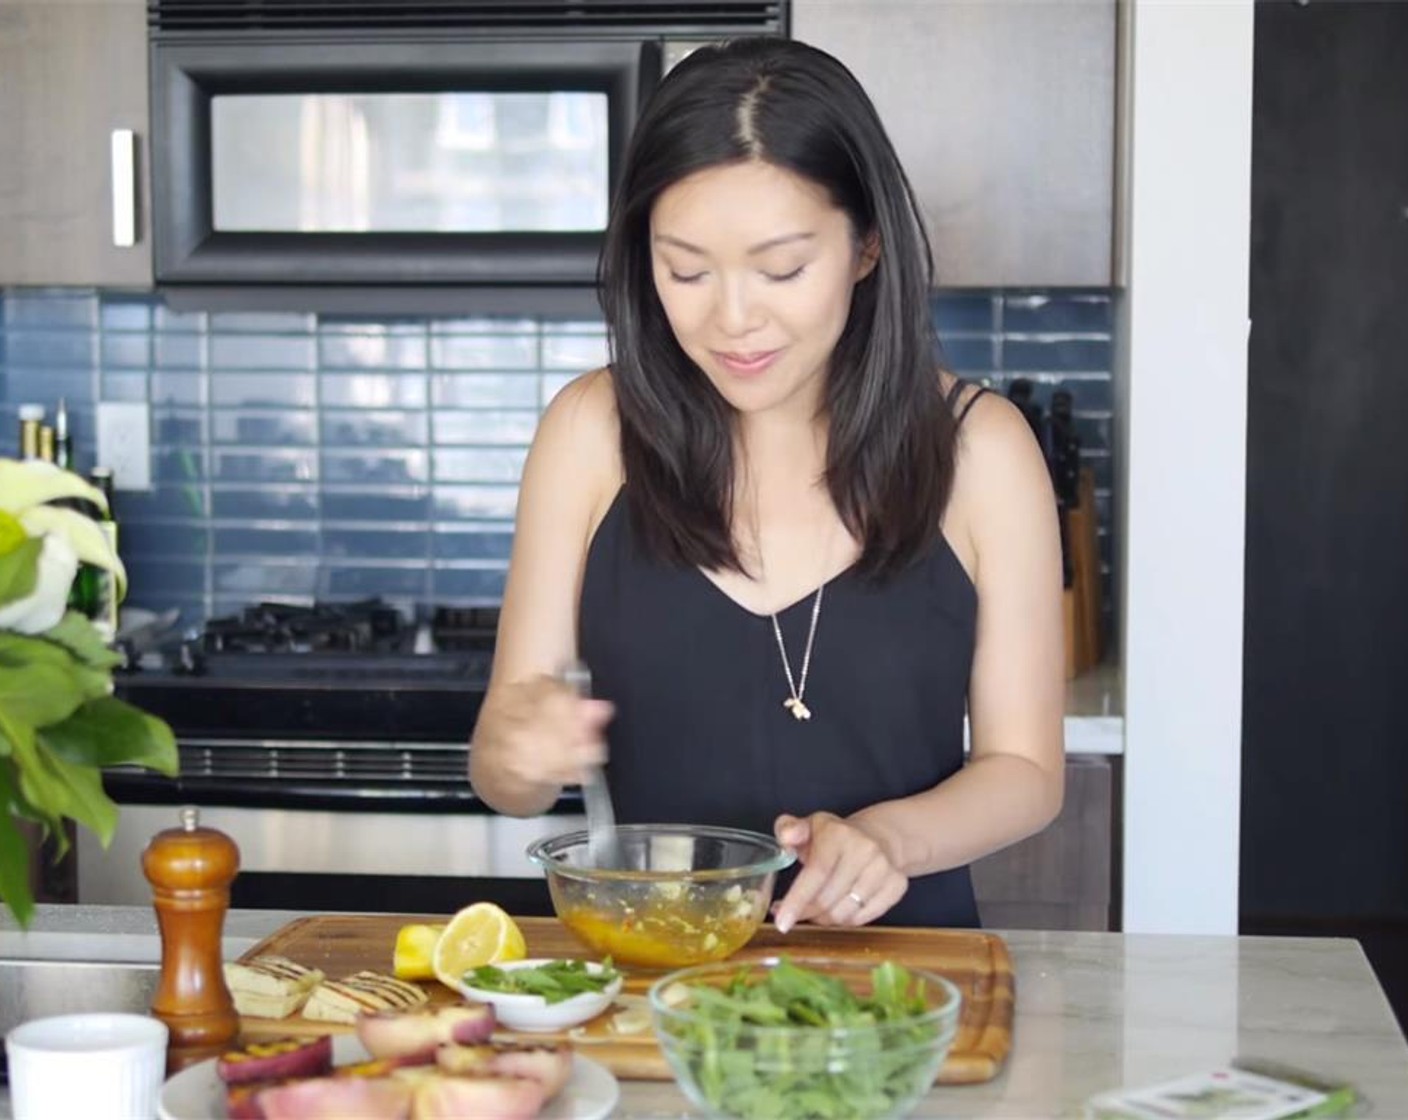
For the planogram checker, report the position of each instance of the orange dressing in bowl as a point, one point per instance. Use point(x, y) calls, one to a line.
point(660, 939)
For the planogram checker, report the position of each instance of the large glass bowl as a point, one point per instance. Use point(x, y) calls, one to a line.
point(684, 894)
point(739, 1069)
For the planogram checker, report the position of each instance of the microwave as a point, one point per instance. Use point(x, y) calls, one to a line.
point(431, 143)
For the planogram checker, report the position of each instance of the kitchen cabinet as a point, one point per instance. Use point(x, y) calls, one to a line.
point(1061, 878)
point(1004, 118)
point(70, 75)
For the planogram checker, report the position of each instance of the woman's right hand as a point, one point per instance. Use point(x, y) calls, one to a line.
point(544, 733)
point(535, 734)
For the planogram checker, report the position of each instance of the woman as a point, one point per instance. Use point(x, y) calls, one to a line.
point(789, 548)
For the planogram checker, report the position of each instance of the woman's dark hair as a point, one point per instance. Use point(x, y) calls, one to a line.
point(890, 451)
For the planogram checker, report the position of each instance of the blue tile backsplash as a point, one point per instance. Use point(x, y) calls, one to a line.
point(304, 456)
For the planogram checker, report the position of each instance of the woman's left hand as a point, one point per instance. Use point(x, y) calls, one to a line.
point(847, 878)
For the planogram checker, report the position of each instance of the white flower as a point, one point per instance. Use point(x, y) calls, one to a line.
point(26, 488)
point(45, 605)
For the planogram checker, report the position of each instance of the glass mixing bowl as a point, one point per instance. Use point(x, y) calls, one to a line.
point(742, 1064)
point(684, 894)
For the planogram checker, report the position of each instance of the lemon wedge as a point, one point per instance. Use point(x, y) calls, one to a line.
point(478, 935)
point(415, 946)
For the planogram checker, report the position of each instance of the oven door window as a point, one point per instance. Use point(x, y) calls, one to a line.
point(441, 162)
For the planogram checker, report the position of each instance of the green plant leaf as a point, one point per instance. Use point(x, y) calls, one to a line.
point(38, 785)
point(83, 798)
point(81, 638)
point(23, 810)
point(12, 533)
point(19, 568)
point(108, 732)
point(42, 682)
point(14, 855)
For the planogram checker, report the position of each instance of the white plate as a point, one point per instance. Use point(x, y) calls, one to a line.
point(198, 1093)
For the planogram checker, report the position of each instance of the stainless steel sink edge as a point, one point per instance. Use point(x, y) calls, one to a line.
point(35, 989)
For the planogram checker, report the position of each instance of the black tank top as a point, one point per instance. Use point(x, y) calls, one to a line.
point(701, 736)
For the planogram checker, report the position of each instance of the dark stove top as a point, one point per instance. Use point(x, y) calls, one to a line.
point(269, 627)
point(360, 670)
point(366, 626)
point(325, 641)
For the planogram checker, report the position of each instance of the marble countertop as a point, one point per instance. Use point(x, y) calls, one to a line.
point(1094, 1011)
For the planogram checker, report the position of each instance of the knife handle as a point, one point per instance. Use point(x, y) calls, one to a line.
point(602, 843)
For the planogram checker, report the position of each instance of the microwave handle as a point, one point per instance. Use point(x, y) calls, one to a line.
point(124, 188)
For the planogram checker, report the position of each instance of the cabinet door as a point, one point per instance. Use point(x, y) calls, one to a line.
point(70, 73)
point(1004, 117)
point(1063, 877)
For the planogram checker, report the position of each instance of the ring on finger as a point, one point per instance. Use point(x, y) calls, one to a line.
point(860, 902)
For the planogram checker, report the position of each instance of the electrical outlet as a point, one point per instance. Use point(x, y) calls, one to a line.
point(125, 443)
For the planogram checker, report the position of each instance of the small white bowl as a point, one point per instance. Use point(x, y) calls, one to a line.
point(533, 1013)
point(93, 1064)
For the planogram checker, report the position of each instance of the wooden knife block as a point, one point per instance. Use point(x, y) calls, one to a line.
point(1082, 598)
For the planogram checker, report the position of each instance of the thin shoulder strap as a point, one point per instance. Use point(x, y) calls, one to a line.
point(959, 384)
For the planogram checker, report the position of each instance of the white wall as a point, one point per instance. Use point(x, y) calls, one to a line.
point(1181, 387)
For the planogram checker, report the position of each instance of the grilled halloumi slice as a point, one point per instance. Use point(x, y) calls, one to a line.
point(270, 987)
point(340, 1001)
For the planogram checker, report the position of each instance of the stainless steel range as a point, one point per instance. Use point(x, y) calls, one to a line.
point(330, 742)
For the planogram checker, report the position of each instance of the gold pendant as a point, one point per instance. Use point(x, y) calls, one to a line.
point(799, 710)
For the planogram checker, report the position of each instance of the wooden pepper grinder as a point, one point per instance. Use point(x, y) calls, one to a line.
point(190, 869)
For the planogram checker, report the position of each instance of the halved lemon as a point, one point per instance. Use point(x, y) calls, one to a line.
point(415, 946)
point(478, 935)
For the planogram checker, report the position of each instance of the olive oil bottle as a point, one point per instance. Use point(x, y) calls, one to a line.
point(94, 589)
point(31, 420)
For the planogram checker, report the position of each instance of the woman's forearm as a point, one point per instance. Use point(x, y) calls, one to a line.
point(992, 802)
point(507, 795)
point(493, 779)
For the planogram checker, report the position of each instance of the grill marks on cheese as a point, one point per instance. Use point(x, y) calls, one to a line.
point(270, 987)
point(280, 969)
point(339, 1001)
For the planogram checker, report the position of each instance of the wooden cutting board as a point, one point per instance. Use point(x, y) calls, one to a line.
point(978, 963)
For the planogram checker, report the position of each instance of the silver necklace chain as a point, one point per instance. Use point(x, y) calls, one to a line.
point(794, 702)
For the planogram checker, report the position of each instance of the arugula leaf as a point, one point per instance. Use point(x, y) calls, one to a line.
point(555, 981)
